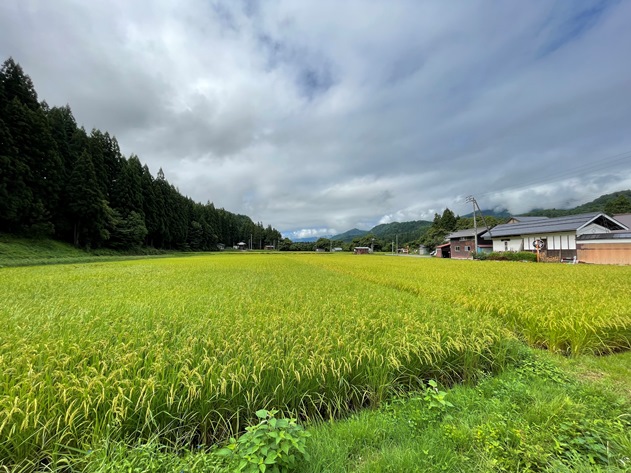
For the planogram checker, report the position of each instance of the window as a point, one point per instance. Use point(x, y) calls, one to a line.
point(457, 248)
point(467, 248)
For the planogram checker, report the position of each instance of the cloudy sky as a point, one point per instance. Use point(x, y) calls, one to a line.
point(317, 116)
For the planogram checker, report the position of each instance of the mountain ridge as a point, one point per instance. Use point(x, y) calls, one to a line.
point(408, 228)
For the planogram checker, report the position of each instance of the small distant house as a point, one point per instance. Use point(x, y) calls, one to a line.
point(422, 250)
point(269, 247)
point(443, 251)
point(242, 246)
point(221, 246)
point(337, 248)
point(361, 250)
point(462, 243)
point(559, 235)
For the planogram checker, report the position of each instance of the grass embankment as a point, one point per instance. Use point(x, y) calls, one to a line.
point(16, 251)
point(537, 416)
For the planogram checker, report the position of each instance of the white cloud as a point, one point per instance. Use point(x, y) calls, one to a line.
point(319, 114)
point(310, 233)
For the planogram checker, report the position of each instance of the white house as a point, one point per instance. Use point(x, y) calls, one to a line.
point(558, 234)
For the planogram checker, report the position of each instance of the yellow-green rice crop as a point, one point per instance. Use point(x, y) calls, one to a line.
point(572, 309)
point(189, 348)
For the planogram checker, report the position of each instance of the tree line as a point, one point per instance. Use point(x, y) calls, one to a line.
point(58, 180)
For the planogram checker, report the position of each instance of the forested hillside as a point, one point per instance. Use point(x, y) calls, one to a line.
point(58, 180)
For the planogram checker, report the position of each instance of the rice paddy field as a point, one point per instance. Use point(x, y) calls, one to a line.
point(188, 349)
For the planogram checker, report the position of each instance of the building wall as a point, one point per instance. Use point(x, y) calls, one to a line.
point(605, 252)
point(458, 250)
point(591, 229)
point(508, 244)
point(554, 241)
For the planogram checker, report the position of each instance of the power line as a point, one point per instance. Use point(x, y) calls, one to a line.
point(601, 164)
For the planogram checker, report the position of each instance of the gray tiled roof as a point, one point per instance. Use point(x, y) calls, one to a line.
point(551, 225)
point(604, 236)
point(521, 219)
point(469, 232)
point(625, 219)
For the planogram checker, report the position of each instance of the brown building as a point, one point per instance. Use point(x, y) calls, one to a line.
point(443, 251)
point(462, 243)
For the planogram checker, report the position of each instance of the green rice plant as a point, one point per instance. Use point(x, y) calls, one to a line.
point(570, 309)
point(186, 350)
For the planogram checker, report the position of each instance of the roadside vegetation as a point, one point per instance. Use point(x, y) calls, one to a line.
point(154, 364)
point(545, 413)
point(17, 251)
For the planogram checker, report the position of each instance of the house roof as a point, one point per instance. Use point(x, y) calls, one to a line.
point(469, 232)
point(570, 223)
point(624, 219)
point(522, 219)
point(604, 236)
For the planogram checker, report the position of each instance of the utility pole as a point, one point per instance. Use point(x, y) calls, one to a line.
point(397, 243)
point(475, 225)
point(475, 205)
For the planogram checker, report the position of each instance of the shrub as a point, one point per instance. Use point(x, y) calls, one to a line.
point(507, 256)
point(273, 444)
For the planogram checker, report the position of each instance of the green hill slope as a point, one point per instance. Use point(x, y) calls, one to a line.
point(17, 251)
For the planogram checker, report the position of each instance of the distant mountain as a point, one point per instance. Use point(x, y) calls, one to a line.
point(410, 231)
point(348, 236)
point(406, 231)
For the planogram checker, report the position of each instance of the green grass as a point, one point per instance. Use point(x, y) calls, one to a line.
point(611, 373)
point(534, 417)
point(16, 251)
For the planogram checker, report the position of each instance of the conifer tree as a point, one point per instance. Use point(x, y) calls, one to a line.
point(89, 210)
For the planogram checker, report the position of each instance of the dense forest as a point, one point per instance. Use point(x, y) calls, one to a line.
point(58, 180)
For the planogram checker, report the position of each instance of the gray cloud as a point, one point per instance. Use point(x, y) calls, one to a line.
point(320, 116)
